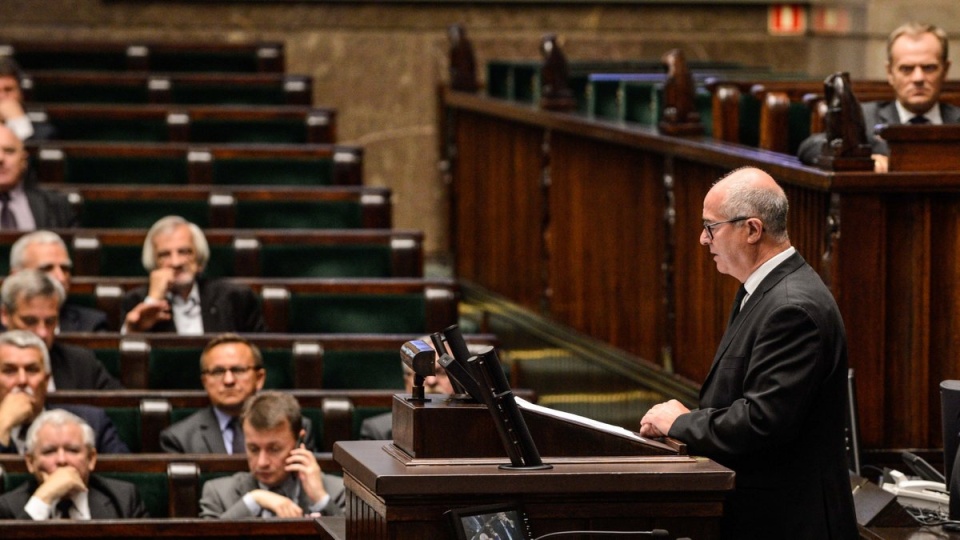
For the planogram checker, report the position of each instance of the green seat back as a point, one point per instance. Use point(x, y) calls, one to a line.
point(90, 93)
point(798, 120)
point(110, 358)
point(105, 129)
point(362, 370)
point(140, 214)
point(5, 259)
point(356, 313)
point(298, 215)
point(127, 422)
point(252, 131)
point(203, 61)
point(64, 60)
point(325, 261)
point(185, 93)
point(117, 261)
point(126, 170)
point(178, 368)
point(274, 172)
point(153, 488)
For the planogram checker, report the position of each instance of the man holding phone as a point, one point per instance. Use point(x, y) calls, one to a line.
point(285, 479)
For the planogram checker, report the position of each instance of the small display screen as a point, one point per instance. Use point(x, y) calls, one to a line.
point(495, 522)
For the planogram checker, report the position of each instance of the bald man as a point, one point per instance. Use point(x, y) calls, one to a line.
point(772, 406)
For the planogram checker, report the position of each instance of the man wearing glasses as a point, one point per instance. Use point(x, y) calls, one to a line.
point(231, 370)
point(772, 405)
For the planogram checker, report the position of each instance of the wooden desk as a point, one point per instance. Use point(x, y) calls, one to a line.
point(387, 498)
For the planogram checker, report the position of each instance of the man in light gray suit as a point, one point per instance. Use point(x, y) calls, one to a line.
point(917, 66)
point(285, 479)
point(231, 370)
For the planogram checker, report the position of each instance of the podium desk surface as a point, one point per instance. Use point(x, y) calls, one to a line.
point(380, 466)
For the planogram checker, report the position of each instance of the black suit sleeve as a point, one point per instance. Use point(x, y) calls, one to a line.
point(249, 313)
point(780, 375)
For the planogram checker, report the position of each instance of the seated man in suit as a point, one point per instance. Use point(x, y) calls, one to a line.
point(380, 427)
point(24, 371)
point(231, 370)
point(61, 455)
point(31, 300)
point(917, 67)
point(46, 251)
point(24, 207)
point(11, 105)
point(285, 479)
point(179, 298)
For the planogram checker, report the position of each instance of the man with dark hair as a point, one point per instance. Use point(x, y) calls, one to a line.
point(24, 374)
point(772, 405)
point(11, 105)
point(917, 65)
point(24, 207)
point(47, 252)
point(60, 453)
point(31, 300)
point(231, 370)
point(285, 479)
point(179, 298)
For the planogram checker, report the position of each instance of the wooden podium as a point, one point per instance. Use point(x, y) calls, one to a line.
point(445, 456)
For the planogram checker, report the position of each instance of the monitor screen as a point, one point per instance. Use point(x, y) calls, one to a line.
point(491, 522)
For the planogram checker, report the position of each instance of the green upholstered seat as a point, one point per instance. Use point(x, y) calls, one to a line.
point(259, 214)
point(362, 369)
point(357, 313)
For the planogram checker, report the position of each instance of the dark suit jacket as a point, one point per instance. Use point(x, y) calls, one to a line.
point(76, 368)
point(50, 210)
point(772, 409)
point(874, 113)
point(199, 433)
point(107, 440)
point(75, 318)
point(223, 497)
point(225, 307)
point(109, 499)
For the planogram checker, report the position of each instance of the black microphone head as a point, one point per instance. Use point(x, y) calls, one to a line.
point(659, 533)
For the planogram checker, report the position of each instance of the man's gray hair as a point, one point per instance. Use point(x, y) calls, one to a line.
point(27, 285)
point(36, 237)
point(58, 417)
point(25, 339)
point(745, 200)
point(167, 224)
point(914, 30)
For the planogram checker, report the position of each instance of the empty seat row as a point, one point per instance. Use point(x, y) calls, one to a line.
point(291, 124)
point(300, 305)
point(255, 253)
point(251, 57)
point(184, 88)
point(228, 207)
point(125, 163)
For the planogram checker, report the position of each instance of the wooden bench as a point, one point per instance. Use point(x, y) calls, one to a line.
point(292, 124)
point(293, 361)
point(195, 88)
point(251, 253)
point(310, 305)
point(256, 57)
point(126, 163)
point(170, 485)
point(169, 529)
point(227, 207)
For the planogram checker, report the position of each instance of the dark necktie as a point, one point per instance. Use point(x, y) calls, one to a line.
point(7, 220)
point(919, 120)
point(741, 294)
point(238, 446)
point(63, 508)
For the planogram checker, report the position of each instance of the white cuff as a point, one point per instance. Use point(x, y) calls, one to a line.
point(21, 127)
point(37, 509)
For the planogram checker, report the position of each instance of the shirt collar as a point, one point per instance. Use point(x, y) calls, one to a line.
point(933, 115)
point(759, 274)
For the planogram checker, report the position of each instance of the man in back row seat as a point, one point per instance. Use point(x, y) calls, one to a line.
point(179, 298)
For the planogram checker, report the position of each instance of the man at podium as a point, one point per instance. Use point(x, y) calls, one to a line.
point(772, 406)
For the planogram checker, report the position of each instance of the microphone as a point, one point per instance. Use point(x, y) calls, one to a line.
point(654, 533)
